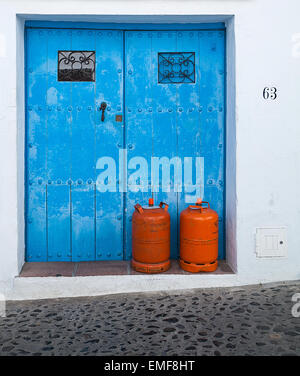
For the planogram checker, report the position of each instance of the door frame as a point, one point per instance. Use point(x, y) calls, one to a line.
point(157, 23)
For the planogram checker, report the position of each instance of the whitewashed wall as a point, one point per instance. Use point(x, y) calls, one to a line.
point(264, 173)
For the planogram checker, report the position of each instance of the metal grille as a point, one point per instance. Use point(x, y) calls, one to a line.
point(76, 66)
point(176, 67)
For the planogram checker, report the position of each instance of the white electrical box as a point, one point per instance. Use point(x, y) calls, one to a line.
point(271, 242)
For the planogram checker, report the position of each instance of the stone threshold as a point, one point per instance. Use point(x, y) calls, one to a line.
point(101, 268)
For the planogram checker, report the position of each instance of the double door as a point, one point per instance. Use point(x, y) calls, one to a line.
point(112, 118)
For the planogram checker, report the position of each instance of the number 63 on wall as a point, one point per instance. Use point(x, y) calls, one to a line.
point(270, 93)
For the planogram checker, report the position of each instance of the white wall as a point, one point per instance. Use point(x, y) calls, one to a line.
point(8, 147)
point(262, 178)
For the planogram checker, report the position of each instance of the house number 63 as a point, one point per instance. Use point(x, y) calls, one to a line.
point(270, 93)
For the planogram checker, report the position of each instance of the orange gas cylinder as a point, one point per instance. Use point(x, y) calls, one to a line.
point(199, 238)
point(151, 238)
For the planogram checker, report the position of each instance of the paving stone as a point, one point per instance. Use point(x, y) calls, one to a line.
point(254, 320)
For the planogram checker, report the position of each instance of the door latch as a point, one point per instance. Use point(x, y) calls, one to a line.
point(102, 108)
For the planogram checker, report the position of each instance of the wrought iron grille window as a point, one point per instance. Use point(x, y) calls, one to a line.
point(176, 67)
point(76, 66)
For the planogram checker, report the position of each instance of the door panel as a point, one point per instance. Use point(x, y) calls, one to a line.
point(186, 116)
point(109, 140)
point(36, 224)
point(212, 140)
point(65, 137)
point(58, 223)
point(36, 141)
point(139, 104)
point(83, 222)
point(189, 104)
point(83, 162)
point(58, 152)
point(165, 139)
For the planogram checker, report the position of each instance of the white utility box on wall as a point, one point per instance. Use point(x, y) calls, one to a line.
point(271, 242)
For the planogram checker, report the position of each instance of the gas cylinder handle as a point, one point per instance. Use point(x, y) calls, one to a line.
point(162, 204)
point(139, 208)
point(202, 202)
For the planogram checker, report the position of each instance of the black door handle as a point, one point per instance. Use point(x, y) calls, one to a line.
point(102, 108)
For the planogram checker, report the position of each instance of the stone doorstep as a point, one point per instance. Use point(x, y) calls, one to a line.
point(100, 268)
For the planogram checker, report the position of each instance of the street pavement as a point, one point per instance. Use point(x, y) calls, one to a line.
point(253, 320)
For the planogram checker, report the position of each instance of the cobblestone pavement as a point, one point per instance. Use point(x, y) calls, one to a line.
point(254, 320)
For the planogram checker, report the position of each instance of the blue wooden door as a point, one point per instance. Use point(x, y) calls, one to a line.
point(69, 73)
point(175, 90)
